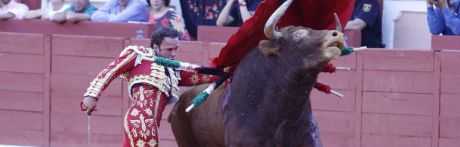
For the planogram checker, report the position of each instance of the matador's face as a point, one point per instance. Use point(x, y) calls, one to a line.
point(168, 47)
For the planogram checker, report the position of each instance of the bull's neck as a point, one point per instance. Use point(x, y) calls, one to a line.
point(295, 92)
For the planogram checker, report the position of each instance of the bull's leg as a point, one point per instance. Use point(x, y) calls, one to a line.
point(142, 120)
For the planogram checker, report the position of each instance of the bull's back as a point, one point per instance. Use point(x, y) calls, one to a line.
point(203, 125)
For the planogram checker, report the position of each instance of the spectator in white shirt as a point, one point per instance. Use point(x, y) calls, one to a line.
point(54, 7)
point(10, 9)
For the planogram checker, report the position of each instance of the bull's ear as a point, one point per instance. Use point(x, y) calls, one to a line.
point(268, 48)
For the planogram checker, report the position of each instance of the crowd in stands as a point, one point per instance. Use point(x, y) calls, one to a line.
point(186, 15)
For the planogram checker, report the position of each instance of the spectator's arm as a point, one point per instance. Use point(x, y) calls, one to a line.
point(103, 13)
point(356, 24)
point(224, 17)
point(18, 12)
point(7, 15)
point(435, 21)
point(452, 21)
point(363, 19)
point(134, 12)
point(33, 14)
point(59, 17)
point(74, 17)
point(244, 10)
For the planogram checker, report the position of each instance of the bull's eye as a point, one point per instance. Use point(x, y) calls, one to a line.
point(299, 34)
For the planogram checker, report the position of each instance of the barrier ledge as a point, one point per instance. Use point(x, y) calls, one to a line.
point(445, 42)
point(81, 28)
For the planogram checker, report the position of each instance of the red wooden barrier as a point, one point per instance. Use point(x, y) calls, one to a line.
point(392, 98)
point(450, 99)
point(445, 42)
point(111, 29)
point(76, 61)
point(24, 69)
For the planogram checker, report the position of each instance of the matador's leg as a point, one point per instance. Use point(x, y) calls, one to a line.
point(142, 120)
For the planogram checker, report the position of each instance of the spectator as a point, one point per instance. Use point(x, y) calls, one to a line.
point(122, 11)
point(177, 7)
point(367, 18)
point(10, 9)
point(234, 14)
point(200, 12)
point(80, 10)
point(54, 7)
point(162, 16)
point(151, 86)
point(444, 18)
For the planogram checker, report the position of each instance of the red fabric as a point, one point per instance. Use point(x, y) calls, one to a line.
point(330, 68)
point(316, 14)
point(322, 87)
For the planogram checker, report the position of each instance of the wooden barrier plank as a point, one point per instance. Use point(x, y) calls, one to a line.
point(21, 120)
point(64, 139)
point(214, 48)
point(449, 142)
point(88, 46)
point(398, 60)
point(23, 101)
point(15, 43)
point(449, 61)
point(90, 66)
point(371, 140)
point(327, 121)
point(214, 33)
point(21, 137)
point(73, 124)
point(107, 106)
point(79, 84)
point(340, 80)
point(21, 82)
point(450, 104)
point(395, 81)
point(397, 125)
point(449, 127)
point(342, 132)
point(191, 51)
point(139, 42)
point(24, 63)
point(450, 83)
point(90, 28)
point(445, 42)
point(346, 61)
point(335, 139)
point(323, 101)
point(398, 103)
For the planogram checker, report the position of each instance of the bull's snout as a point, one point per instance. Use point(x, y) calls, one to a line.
point(334, 38)
point(333, 44)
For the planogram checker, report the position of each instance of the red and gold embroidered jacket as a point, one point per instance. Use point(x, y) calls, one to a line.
point(138, 71)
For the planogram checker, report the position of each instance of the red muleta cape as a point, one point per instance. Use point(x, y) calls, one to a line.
point(315, 14)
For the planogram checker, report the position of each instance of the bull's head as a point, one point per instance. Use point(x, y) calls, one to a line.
point(323, 45)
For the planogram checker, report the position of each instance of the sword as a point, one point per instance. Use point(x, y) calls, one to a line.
point(89, 130)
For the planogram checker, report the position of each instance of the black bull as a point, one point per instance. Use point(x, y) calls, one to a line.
point(268, 100)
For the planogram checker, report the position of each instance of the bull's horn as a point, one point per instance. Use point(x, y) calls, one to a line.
point(338, 26)
point(270, 27)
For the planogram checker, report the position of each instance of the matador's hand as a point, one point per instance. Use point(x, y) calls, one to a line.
point(89, 104)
